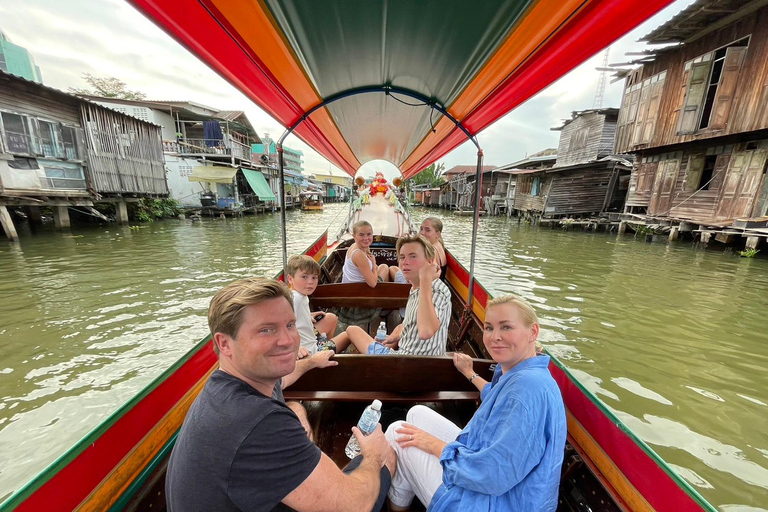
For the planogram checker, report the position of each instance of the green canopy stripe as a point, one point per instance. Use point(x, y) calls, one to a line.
point(259, 185)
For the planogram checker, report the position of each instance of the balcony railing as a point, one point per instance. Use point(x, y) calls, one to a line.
point(208, 147)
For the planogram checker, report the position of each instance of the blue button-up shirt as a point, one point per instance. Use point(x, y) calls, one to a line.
point(509, 456)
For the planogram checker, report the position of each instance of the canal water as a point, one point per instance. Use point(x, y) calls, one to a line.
point(672, 338)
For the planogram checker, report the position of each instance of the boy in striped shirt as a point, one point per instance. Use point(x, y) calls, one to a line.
point(424, 331)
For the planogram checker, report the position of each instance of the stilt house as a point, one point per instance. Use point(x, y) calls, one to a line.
point(61, 151)
point(506, 184)
point(587, 178)
point(207, 152)
point(696, 116)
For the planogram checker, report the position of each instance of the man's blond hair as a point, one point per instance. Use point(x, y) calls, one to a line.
point(429, 249)
point(225, 313)
point(302, 262)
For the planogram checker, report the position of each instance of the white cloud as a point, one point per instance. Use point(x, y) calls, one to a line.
point(111, 38)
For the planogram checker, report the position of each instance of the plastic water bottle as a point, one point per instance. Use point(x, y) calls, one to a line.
point(381, 333)
point(367, 424)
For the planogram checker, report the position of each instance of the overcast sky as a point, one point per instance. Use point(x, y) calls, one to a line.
point(110, 38)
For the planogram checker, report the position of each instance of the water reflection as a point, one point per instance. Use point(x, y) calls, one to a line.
point(671, 338)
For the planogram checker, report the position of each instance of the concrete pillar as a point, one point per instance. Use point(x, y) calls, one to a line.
point(674, 233)
point(121, 212)
point(7, 222)
point(753, 242)
point(705, 238)
point(35, 216)
point(61, 217)
point(622, 227)
point(686, 227)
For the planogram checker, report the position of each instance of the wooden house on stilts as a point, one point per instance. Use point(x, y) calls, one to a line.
point(587, 179)
point(59, 151)
point(696, 116)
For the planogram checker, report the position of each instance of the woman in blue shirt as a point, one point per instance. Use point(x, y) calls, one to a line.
point(509, 456)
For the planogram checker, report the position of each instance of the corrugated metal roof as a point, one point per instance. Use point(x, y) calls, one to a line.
point(698, 16)
point(71, 98)
point(467, 169)
point(229, 115)
point(579, 113)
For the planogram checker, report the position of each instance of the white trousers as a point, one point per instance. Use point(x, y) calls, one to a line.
point(419, 473)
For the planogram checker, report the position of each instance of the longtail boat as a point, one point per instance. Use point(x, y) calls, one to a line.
point(359, 81)
point(311, 201)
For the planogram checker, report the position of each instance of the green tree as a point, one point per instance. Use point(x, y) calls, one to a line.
point(107, 87)
point(432, 176)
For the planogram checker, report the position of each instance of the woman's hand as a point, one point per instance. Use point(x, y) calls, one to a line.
point(463, 363)
point(414, 436)
point(302, 353)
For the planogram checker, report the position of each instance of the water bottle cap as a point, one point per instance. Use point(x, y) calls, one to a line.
point(376, 405)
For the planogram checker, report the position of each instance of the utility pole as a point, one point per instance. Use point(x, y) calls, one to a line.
point(602, 80)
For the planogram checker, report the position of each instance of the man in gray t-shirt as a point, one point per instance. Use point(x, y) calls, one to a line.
point(240, 447)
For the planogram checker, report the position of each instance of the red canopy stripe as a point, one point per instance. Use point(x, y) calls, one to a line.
point(213, 39)
point(596, 26)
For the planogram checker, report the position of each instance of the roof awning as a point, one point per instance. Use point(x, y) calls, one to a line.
point(211, 174)
point(477, 64)
point(259, 185)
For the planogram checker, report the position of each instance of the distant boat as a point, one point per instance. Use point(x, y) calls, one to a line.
point(311, 201)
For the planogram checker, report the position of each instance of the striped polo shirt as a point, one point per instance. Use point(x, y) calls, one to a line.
point(410, 344)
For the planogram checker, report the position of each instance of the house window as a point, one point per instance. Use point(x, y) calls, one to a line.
point(712, 80)
point(536, 187)
point(48, 139)
point(16, 134)
point(69, 142)
point(700, 172)
point(63, 177)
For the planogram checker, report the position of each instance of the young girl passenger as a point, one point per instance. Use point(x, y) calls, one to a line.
point(360, 264)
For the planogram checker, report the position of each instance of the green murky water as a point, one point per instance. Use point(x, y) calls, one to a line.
point(671, 337)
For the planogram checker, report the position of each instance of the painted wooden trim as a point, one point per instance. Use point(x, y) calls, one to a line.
point(128, 469)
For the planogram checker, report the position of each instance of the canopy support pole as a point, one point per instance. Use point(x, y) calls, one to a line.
point(389, 90)
point(475, 225)
point(281, 170)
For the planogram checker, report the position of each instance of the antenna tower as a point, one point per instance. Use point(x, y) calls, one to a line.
point(601, 81)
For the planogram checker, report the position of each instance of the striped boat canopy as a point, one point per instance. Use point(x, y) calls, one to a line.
point(380, 72)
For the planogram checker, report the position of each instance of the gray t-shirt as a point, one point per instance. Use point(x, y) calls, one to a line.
point(237, 450)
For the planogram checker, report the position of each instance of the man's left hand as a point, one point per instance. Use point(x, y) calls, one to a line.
point(322, 359)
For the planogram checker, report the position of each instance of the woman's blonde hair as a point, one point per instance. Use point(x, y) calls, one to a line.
point(359, 224)
point(438, 225)
point(526, 310)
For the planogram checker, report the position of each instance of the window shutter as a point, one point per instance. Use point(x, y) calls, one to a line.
point(694, 97)
point(734, 57)
point(642, 112)
point(653, 111)
point(693, 174)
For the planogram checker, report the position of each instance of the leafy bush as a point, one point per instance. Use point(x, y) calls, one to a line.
point(148, 209)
